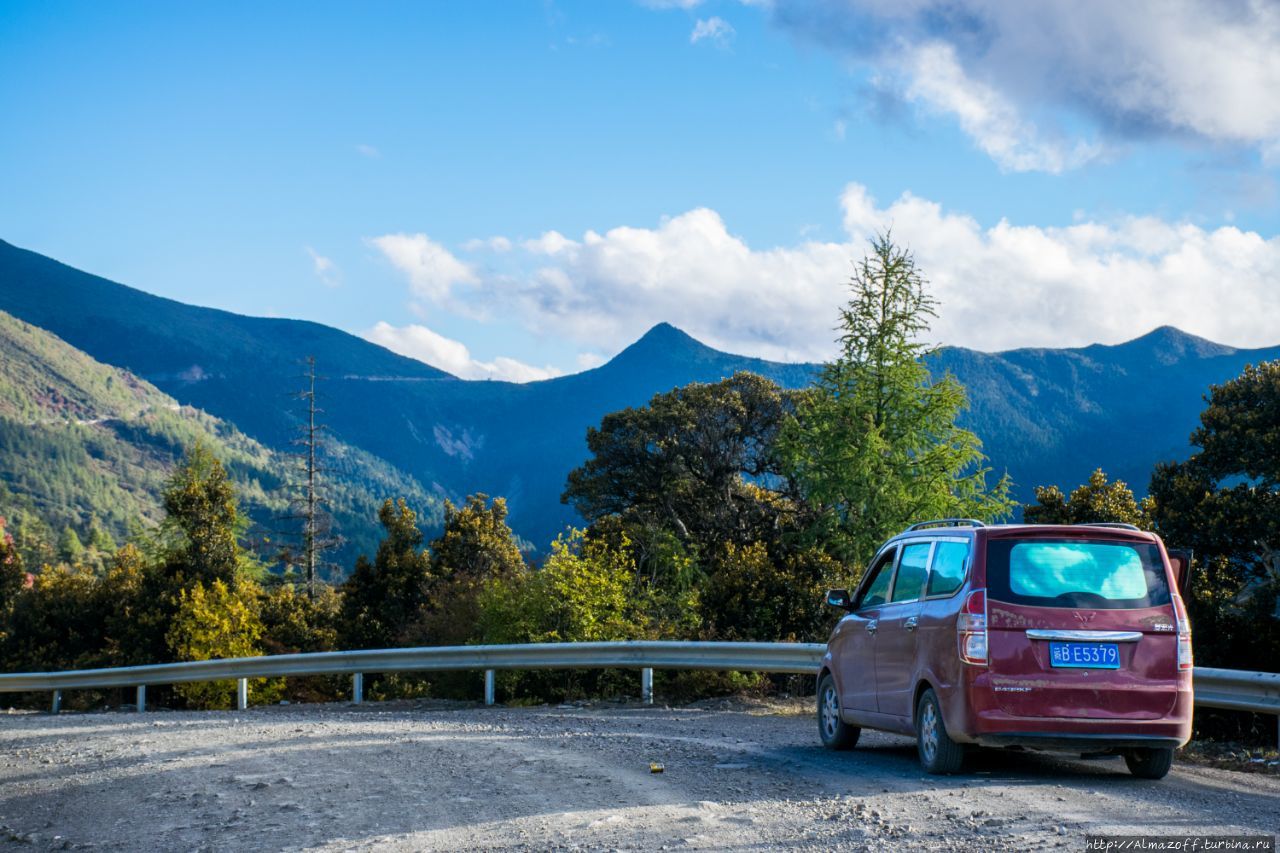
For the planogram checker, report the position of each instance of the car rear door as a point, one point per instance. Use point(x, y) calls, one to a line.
point(895, 644)
point(1081, 627)
point(854, 640)
point(936, 651)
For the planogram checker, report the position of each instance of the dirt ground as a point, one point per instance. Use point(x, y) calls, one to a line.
point(400, 776)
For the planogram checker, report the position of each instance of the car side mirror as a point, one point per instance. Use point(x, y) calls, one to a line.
point(839, 598)
point(1181, 563)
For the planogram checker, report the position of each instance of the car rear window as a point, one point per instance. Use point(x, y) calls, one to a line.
point(1076, 573)
point(948, 567)
point(912, 569)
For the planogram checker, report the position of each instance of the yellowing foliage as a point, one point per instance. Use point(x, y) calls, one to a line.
point(581, 594)
point(212, 623)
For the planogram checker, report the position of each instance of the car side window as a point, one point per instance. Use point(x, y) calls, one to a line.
point(912, 569)
point(877, 592)
point(947, 572)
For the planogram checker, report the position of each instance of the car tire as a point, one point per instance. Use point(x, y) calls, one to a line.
point(1149, 762)
point(834, 732)
point(939, 754)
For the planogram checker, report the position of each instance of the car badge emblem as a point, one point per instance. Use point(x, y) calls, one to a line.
point(1084, 618)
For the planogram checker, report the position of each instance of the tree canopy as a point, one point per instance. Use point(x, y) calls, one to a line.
point(383, 598)
point(475, 548)
point(1095, 501)
point(1224, 503)
point(686, 461)
point(203, 519)
point(874, 444)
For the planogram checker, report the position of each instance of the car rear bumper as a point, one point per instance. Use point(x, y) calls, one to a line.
point(1082, 743)
point(980, 721)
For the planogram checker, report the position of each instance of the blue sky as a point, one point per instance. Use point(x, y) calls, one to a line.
point(518, 189)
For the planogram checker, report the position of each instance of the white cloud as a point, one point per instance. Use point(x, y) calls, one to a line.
point(1009, 285)
point(493, 244)
point(432, 269)
point(1009, 70)
point(550, 243)
point(938, 81)
point(588, 360)
point(324, 268)
point(715, 29)
point(420, 342)
point(368, 151)
point(1000, 287)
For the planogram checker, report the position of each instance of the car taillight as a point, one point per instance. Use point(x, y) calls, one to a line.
point(971, 628)
point(1183, 623)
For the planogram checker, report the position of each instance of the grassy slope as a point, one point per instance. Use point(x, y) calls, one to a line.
point(80, 440)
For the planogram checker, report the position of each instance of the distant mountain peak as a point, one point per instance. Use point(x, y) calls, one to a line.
point(1168, 344)
point(1170, 334)
point(665, 334)
point(664, 340)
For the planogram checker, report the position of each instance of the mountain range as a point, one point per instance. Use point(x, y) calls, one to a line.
point(1044, 415)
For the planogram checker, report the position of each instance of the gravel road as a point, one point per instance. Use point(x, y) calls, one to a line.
point(412, 777)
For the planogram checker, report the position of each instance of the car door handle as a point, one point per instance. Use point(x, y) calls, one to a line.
point(873, 626)
point(911, 623)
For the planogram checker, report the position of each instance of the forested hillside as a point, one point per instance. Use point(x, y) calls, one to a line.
point(85, 449)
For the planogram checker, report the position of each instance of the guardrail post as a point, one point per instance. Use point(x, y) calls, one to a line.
point(488, 687)
point(142, 698)
point(242, 693)
point(646, 685)
point(57, 702)
point(357, 688)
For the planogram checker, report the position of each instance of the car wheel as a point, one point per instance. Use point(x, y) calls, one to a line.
point(1149, 762)
point(834, 732)
point(938, 752)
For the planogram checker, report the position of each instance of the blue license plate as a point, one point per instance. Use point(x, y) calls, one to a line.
point(1085, 655)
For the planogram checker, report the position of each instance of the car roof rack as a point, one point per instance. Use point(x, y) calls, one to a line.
point(1121, 525)
point(946, 522)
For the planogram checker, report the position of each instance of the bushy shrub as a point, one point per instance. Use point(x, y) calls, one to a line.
point(218, 622)
point(12, 576)
point(750, 595)
point(58, 623)
point(583, 592)
point(294, 623)
point(667, 579)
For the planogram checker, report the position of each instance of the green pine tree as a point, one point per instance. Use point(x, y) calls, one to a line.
point(476, 547)
point(70, 548)
point(874, 444)
point(384, 598)
point(202, 521)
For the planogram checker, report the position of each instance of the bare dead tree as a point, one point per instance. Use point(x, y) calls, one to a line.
point(310, 505)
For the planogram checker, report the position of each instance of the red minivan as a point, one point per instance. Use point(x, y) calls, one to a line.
point(1059, 637)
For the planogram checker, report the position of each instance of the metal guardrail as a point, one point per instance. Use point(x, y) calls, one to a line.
point(1237, 690)
point(643, 655)
point(1231, 689)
